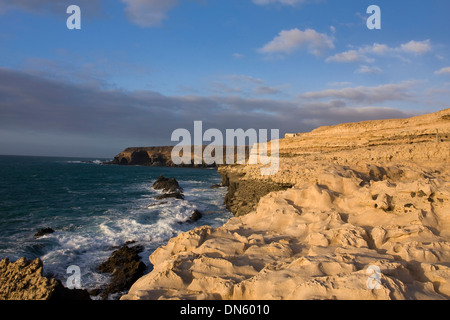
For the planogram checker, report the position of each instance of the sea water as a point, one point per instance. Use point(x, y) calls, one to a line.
point(94, 208)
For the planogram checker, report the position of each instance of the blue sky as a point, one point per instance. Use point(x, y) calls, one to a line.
point(139, 69)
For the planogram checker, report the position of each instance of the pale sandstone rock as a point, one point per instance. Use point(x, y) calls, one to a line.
point(366, 194)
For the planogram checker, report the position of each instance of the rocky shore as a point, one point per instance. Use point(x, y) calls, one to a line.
point(356, 211)
point(24, 280)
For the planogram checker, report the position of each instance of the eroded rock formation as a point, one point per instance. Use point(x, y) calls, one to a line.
point(364, 195)
point(23, 280)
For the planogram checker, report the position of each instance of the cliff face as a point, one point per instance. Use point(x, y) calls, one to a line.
point(159, 156)
point(367, 217)
point(145, 156)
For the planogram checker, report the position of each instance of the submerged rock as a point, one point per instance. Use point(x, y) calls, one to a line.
point(43, 232)
point(197, 215)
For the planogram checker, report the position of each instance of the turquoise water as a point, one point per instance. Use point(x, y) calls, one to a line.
point(94, 207)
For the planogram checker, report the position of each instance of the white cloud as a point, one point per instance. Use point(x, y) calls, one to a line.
point(417, 47)
point(358, 55)
point(148, 13)
point(377, 49)
point(288, 41)
point(369, 70)
point(348, 56)
point(445, 70)
point(367, 95)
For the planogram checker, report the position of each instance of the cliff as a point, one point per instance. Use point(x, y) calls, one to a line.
point(363, 212)
point(159, 156)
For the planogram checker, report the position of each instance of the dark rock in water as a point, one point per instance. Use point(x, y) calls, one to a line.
point(23, 280)
point(197, 215)
point(176, 195)
point(43, 232)
point(215, 186)
point(64, 294)
point(169, 185)
point(126, 268)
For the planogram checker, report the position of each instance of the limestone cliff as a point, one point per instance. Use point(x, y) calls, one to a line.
point(367, 217)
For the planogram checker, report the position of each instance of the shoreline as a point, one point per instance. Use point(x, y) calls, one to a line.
point(168, 212)
point(347, 200)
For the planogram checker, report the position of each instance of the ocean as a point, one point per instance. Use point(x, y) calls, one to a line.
point(94, 208)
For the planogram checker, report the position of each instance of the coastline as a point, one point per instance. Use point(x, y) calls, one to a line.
point(85, 237)
point(364, 196)
point(347, 200)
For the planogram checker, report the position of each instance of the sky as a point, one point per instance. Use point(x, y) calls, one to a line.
point(139, 69)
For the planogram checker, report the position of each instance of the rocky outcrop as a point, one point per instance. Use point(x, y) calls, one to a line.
point(23, 280)
point(43, 232)
point(169, 187)
point(144, 156)
point(125, 268)
point(367, 217)
point(167, 184)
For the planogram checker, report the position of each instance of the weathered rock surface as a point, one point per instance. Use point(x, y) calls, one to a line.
point(243, 195)
point(365, 195)
point(23, 280)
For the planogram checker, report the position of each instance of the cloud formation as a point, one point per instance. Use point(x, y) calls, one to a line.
point(31, 103)
point(442, 71)
point(369, 70)
point(288, 41)
point(144, 13)
point(369, 52)
point(148, 13)
point(367, 95)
